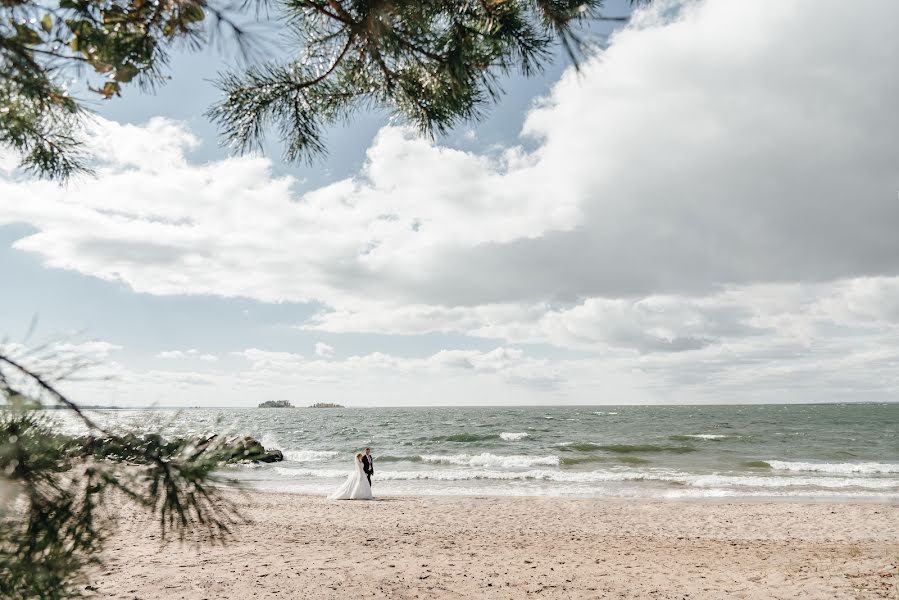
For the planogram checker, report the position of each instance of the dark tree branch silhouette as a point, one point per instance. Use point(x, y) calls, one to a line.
point(52, 518)
point(429, 63)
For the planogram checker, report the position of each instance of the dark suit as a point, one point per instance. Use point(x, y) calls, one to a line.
point(368, 466)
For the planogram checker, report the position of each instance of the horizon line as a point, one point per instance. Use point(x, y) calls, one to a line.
point(151, 407)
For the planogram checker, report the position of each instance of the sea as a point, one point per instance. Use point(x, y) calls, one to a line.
point(812, 452)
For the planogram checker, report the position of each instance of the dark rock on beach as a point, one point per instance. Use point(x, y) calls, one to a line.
point(249, 448)
point(273, 455)
point(234, 450)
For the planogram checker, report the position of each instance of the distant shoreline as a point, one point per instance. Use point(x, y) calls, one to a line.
point(485, 406)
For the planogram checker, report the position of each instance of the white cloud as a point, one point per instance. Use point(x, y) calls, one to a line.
point(324, 350)
point(749, 370)
point(497, 361)
point(446, 377)
point(58, 363)
point(678, 160)
point(165, 230)
point(711, 201)
point(97, 349)
point(264, 359)
point(192, 353)
point(863, 301)
point(673, 162)
point(64, 355)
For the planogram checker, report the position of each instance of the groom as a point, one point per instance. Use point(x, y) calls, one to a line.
point(368, 464)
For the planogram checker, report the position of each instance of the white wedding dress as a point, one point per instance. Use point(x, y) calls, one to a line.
point(356, 486)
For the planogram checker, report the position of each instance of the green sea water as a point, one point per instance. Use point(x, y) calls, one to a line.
point(847, 451)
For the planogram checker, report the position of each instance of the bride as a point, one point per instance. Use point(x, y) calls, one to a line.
point(356, 486)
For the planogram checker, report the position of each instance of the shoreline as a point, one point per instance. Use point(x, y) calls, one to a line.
point(300, 545)
point(501, 406)
point(836, 500)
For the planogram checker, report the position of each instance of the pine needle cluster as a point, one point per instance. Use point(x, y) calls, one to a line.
point(58, 492)
point(49, 51)
point(429, 63)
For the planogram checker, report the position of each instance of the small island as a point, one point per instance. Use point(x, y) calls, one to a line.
point(287, 404)
point(276, 404)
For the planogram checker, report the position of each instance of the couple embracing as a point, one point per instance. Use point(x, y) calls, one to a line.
point(358, 485)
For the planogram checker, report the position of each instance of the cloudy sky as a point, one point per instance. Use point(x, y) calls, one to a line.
point(705, 213)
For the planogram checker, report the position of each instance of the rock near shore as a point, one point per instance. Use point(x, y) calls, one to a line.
point(239, 449)
point(248, 448)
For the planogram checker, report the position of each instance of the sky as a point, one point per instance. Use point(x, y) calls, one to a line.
point(705, 212)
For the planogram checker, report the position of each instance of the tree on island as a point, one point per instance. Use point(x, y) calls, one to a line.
point(431, 63)
point(276, 404)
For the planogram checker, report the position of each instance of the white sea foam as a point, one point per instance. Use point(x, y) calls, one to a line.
point(309, 455)
point(613, 490)
point(270, 441)
point(316, 473)
point(706, 436)
point(461, 474)
point(491, 460)
point(760, 481)
point(709, 484)
point(864, 468)
point(687, 493)
point(513, 437)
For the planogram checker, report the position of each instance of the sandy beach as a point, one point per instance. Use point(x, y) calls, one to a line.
point(536, 547)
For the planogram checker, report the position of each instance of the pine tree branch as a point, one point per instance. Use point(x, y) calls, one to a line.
point(49, 388)
point(337, 61)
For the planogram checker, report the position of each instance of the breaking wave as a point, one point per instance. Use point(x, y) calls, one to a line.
point(310, 455)
point(864, 468)
point(613, 475)
point(491, 460)
point(624, 448)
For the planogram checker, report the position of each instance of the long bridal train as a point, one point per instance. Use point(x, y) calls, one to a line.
point(356, 486)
